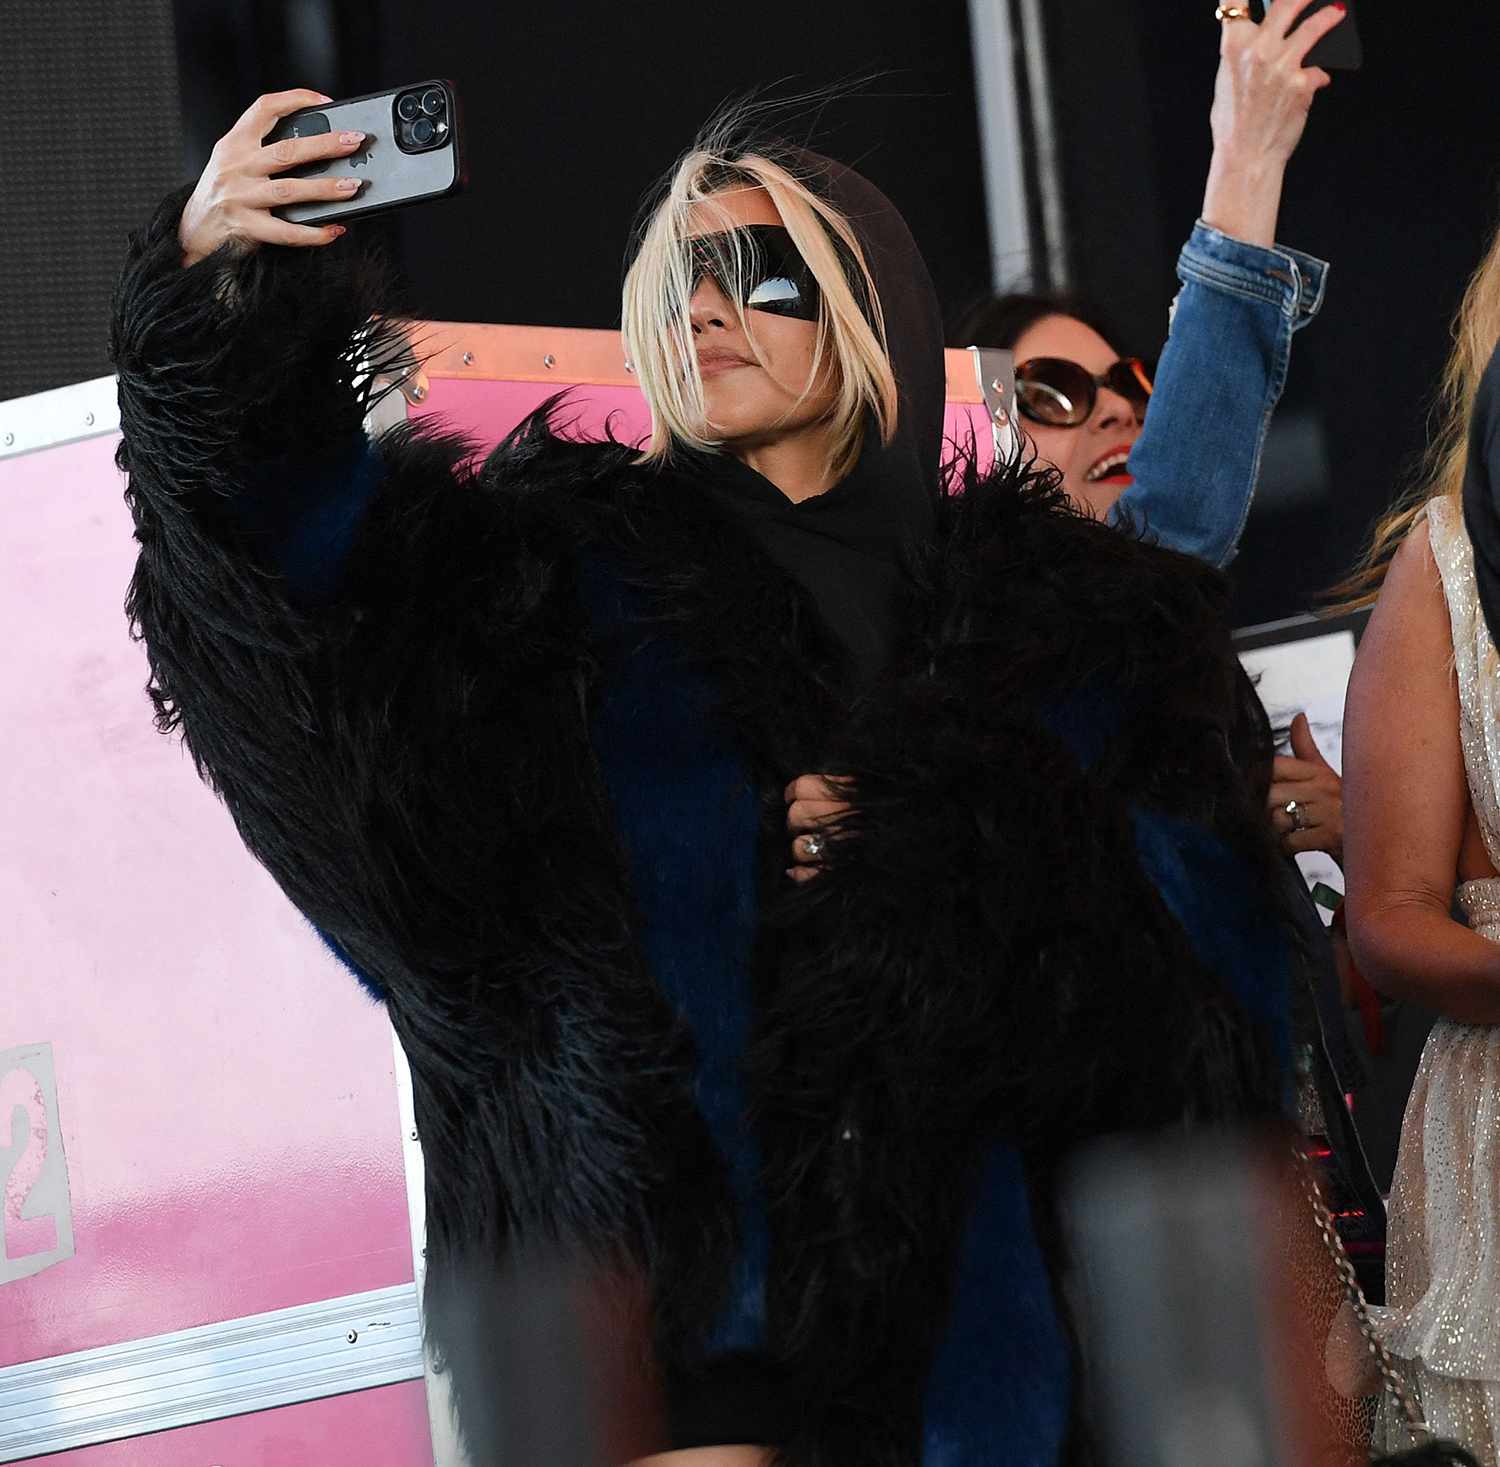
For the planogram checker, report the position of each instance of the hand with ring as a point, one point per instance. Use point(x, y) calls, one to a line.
point(1307, 797)
point(1262, 96)
point(815, 804)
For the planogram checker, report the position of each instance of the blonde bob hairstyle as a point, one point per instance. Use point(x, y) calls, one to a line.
point(1476, 333)
point(656, 320)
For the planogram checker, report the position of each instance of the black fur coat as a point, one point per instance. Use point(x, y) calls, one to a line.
point(1013, 941)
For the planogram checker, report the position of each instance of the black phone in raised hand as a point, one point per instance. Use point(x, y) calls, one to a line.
point(1340, 50)
point(411, 150)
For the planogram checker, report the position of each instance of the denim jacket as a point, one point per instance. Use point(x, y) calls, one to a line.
point(1221, 374)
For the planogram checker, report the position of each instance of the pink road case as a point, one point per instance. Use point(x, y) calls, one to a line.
point(210, 1241)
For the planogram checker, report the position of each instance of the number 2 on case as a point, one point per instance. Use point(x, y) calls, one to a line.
point(36, 1222)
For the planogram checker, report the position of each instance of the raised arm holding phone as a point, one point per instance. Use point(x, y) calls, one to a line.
point(245, 180)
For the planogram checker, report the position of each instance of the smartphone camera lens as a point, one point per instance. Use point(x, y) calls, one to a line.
point(422, 122)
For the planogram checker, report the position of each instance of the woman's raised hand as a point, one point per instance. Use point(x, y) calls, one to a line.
point(1262, 97)
point(238, 189)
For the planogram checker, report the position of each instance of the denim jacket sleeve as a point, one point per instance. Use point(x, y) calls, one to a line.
point(1221, 374)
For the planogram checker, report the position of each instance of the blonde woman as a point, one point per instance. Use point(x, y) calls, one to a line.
point(519, 740)
point(1422, 799)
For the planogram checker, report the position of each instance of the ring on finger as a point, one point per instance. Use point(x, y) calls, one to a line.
point(1296, 813)
point(1232, 12)
point(813, 846)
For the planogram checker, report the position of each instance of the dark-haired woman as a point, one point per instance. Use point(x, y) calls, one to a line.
point(1184, 473)
point(515, 738)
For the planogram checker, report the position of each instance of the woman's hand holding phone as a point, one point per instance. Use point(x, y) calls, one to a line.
point(238, 189)
point(1262, 97)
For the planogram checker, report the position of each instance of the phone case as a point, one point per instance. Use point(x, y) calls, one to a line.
point(1340, 50)
point(391, 177)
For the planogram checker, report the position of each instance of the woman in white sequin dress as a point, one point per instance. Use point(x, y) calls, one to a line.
point(1422, 826)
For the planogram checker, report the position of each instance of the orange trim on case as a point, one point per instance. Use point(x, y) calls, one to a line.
point(466, 349)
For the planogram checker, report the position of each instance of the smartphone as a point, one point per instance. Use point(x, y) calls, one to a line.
point(411, 150)
point(1340, 50)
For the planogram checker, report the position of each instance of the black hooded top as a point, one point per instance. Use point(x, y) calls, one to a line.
point(847, 546)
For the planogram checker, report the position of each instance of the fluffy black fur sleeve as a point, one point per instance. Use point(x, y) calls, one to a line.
point(243, 359)
point(411, 760)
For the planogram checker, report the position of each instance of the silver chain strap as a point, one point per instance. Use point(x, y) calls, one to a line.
point(1395, 1383)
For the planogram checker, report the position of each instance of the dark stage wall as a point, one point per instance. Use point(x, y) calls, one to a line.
point(89, 140)
point(575, 107)
point(572, 109)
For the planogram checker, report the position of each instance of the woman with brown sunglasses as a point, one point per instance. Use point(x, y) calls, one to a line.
point(1184, 474)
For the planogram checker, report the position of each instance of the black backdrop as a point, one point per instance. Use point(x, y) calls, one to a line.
point(571, 109)
point(575, 106)
point(88, 141)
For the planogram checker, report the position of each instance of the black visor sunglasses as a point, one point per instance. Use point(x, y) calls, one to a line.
point(1061, 394)
point(758, 265)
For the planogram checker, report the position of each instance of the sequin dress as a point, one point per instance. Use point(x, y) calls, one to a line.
point(1442, 1319)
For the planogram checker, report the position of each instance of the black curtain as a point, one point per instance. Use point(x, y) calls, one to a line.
point(90, 134)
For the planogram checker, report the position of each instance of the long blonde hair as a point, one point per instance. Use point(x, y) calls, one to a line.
point(1476, 333)
point(657, 326)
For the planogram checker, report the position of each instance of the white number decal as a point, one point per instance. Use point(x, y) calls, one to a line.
point(36, 1214)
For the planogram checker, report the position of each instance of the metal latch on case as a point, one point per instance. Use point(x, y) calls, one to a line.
point(412, 384)
point(995, 371)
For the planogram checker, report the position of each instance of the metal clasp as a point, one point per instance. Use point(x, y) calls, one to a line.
point(995, 371)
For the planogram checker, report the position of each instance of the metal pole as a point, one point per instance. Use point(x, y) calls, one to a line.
point(1001, 141)
point(1046, 165)
point(1018, 141)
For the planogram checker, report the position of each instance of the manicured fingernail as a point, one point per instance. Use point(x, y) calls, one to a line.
point(338, 230)
point(348, 184)
point(351, 137)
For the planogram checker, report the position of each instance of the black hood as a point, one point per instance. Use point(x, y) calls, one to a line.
point(846, 546)
point(914, 332)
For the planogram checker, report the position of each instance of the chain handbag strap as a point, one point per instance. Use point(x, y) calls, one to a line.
point(1394, 1381)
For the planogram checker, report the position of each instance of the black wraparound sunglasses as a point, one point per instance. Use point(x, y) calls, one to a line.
point(1061, 394)
point(759, 265)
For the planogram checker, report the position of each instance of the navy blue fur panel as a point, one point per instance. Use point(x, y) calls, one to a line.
point(688, 814)
point(1001, 1386)
point(303, 518)
point(1225, 910)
